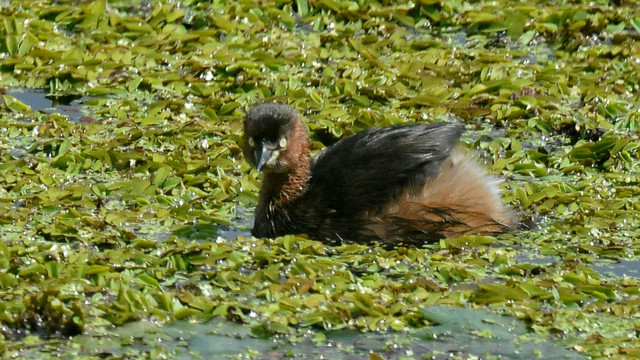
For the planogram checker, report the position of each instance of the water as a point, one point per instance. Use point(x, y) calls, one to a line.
point(241, 225)
point(455, 332)
point(617, 268)
point(72, 106)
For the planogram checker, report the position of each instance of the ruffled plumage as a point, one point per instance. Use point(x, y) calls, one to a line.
point(403, 183)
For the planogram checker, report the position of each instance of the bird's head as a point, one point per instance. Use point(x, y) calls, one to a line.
point(272, 137)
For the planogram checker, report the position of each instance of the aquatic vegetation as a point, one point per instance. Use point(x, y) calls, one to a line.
point(124, 197)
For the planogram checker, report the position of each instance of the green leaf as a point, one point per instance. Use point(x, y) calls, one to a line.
point(15, 105)
point(64, 147)
point(635, 22)
point(98, 269)
point(149, 280)
point(161, 175)
point(11, 42)
point(303, 8)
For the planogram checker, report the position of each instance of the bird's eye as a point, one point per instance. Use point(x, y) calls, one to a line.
point(251, 142)
point(283, 142)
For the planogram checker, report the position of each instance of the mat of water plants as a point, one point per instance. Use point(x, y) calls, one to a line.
point(126, 205)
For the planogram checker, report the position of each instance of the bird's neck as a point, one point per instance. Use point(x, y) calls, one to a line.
point(280, 189)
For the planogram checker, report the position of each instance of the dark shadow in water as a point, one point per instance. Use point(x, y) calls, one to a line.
point(231, 233)
point(210, 232)
point(71, 106)
point(241, 226)
point(524, 257)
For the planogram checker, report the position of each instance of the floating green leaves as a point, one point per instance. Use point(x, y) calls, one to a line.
point(123, 192)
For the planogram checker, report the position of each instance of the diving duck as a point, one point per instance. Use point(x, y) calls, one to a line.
point(401, 183)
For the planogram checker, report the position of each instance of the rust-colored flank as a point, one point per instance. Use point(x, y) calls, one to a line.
point(404, 183)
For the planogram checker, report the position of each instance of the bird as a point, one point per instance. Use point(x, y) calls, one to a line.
point(399, 184)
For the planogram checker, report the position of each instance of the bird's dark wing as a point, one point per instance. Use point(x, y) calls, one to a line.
point(367, 171)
